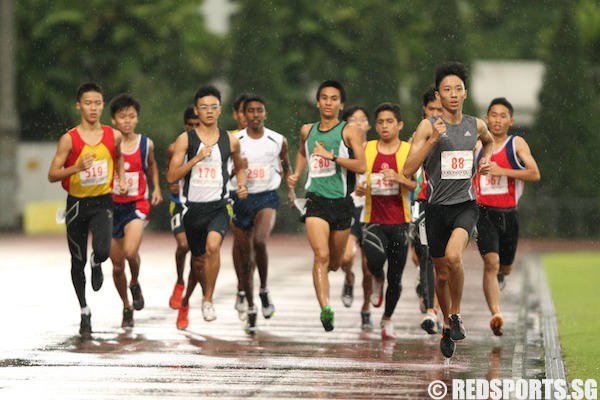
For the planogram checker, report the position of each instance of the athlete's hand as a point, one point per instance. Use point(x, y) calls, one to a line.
point(484, 166)
point(292, 181)
point(390, 175)
point(123, 188)
point(206, 151)
point(361, 188)
point(156, 197)
point(319, 150)
point(242, 192)
point(439, 130)
point(174, 188)
point(86, 161)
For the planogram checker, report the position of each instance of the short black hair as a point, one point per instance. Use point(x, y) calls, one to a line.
point(207, 90)
point(502, 101)
point(189, 113)
point(428, 96)
point(333, 84)
point(123, 101)
point(451, 68)
point(254, 97)
point(349, 112)
point(394, 108)
point(88, 87)
point(241, 99)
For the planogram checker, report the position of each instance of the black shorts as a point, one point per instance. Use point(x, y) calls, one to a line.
point(176, 213)
point(442, 220)
point(201, 218)
point(337, 212)
point(124, 213)
point(498, 232)
point(357, 229)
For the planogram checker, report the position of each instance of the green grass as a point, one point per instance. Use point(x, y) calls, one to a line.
point(574, 279)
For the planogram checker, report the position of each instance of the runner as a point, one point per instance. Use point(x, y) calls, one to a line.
point(432, 320)
point(497, 195)
point(357, 116)
point(445, 146)
point(131, 211)
point(201, 159)
point(190, 122)
point(387, 211)
point(265, 153)
point(325, 147)
point(86, 159)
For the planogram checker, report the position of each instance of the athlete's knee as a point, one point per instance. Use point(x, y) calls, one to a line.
point(506, 269)
point(101, 255)
point(491, 263)
point(454, 259)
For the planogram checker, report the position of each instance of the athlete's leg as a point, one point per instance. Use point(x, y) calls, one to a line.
point(101, 225)
point(119, 277)
point(456, 277)
point(318, 230)
point(264, 221)
point(180, 255)
point(212, 266)
point(242, 257)
point(367, 281)
point(491, 289)
point(134, 231)
point(77, 239)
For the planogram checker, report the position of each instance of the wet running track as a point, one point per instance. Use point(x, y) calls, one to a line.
point(43, 357)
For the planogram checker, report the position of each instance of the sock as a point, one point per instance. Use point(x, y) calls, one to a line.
point(86, 310)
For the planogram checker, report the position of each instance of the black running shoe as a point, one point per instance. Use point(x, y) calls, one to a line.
point(85, 328)
point(446, 344)
point(251, 321)
point(97, 276)
point(127, 318)
point(138, 299)
point(457, 328)
point(268, 309)
point(366, 324)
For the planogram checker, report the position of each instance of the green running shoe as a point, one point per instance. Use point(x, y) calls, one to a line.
point(327, 318)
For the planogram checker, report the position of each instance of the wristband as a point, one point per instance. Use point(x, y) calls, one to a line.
point(334, 159)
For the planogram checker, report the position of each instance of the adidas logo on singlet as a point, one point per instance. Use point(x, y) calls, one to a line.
point(467, 133)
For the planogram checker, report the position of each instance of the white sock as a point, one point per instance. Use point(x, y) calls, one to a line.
point(86, 310)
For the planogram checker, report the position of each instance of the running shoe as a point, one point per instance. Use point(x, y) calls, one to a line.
point(251, 321)
point(182, 317)
point(387, 330)
point(208, 311)
point(268, 309)
point(327, 318)
point(447, 346)
point(347, 294)
point(496, 323)
point(85, 327)
point(138, 299)
point(367, 325)
point(127, 318)
point(241, 305)
point(97, 276)
point(501, 280)
point(175, 300)
point(430, 323)
point(377, 294)
point(457, 328)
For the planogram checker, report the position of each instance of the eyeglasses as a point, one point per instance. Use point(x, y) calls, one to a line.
point(205, 108)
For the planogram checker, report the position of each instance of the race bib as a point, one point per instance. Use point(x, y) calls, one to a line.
point(133, 183)
point(381, 187)
point(206, 174)
point(259, 175)
point(97, 174)
point(457, 164)
point(491, 184)
point(320, 167)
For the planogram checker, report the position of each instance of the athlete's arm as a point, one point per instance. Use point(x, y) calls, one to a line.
point(424, 139)
point(286, 168)
point(354, 137)
point(120, 165)
point(487, 142)
point(153, 172)
point(300, 157)
point(173, 187)
point(238, 167)
point(531, 173)
point(57, 172)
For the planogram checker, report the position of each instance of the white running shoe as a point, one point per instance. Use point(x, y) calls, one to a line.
point(208, 311)
point(387, 330)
